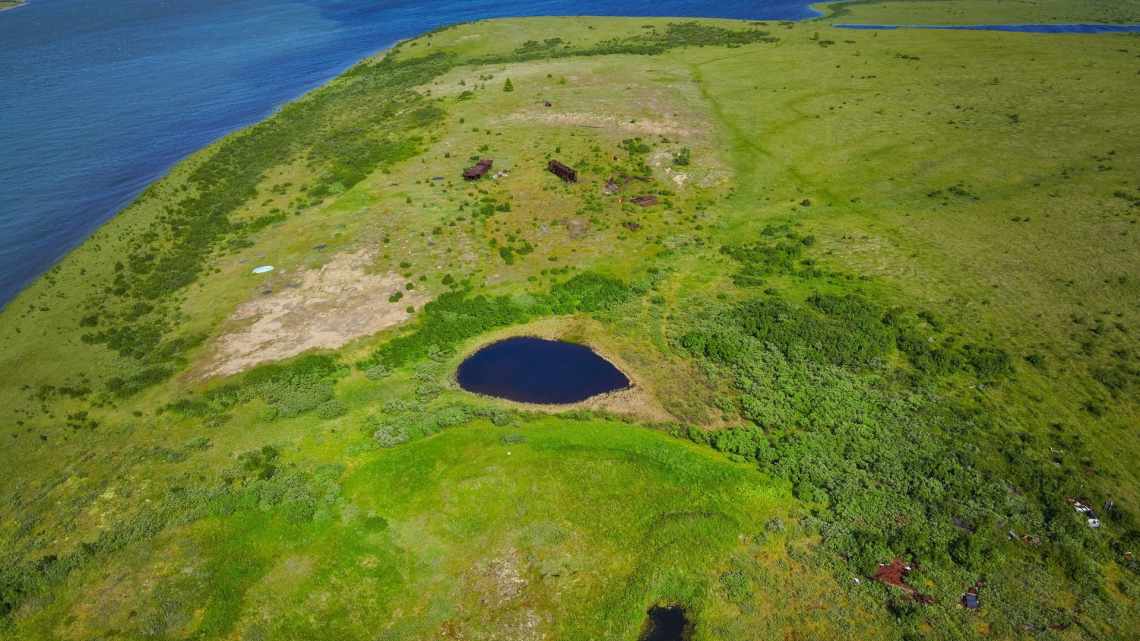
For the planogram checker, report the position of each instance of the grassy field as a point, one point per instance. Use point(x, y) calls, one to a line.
point(959, 12)
point(886, 305)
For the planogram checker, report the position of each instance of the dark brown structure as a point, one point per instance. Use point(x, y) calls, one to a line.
point(894, 574)
point(562, 171)
point(645, 200)
point(476, 171)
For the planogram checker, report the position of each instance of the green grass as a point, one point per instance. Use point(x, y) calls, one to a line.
point(885, 309)
point(983, 11)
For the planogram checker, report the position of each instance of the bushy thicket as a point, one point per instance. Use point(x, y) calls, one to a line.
point(458, 316)
point(778, 251)
point(892, 465)
point(289, 389)
point(403, 421)
point(675, 35)
point(842, 330)
point(892, 469)
point(845, 330)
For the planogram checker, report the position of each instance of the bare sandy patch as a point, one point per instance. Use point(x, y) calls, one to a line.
point(322, 308)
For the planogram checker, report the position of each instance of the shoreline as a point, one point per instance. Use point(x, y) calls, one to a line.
point(66, 249)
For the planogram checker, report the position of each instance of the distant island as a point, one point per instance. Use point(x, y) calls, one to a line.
point(10, 4)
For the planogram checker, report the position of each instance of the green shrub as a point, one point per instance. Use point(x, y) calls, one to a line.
point(331, 409)
point(390, 435)
point(261, 463)
point(454, 316)
point(290, 389)
point(736, 585)
point(675, 35)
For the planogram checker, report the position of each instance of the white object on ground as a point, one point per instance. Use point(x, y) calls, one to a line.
point(264, 269)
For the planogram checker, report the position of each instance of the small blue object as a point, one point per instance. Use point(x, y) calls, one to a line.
point(970, 601)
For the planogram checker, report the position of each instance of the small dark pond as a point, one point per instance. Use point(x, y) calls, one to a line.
point(535, 370)
point(667, 623)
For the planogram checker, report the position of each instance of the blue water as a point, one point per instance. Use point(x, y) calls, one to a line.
point(100, 97)
point(1016, 28)
point(535, 370)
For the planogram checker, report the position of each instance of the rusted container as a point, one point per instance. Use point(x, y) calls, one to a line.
point(562, 171)
point(476, 171)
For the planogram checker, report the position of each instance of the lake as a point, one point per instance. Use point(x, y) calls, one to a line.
point(536, 370)
point(99, 98)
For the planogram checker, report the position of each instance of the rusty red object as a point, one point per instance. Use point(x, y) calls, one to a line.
point(562, 171)
point(894, 574)
point(645, 200)
point(476, 171)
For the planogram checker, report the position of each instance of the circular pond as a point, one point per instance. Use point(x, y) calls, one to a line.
point(667, 623)
point(535, 370)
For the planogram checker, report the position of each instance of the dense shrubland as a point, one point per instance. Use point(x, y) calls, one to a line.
point(288, 389)
point(653, 42)
point(891, 463)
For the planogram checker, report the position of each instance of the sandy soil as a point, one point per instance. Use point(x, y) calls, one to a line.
point(322, 308)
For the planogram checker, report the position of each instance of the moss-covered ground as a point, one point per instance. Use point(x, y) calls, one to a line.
point(885, 305)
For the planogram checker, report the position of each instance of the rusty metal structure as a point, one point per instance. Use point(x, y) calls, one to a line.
point(476, 171)
point(562, 171)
